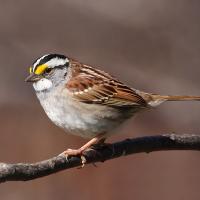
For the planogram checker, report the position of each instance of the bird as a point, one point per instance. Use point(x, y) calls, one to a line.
point(86, 101)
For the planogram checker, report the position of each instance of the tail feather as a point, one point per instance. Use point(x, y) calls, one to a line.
point(176, 98)
point(158, 99)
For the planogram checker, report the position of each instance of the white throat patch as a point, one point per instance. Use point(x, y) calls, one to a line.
point(42, 84)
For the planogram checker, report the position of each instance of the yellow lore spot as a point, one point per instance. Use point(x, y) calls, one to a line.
point(40, 69)
point(30, 70)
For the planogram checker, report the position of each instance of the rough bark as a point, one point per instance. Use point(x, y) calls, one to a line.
point(30, 171)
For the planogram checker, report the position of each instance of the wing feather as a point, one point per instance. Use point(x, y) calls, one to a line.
point(93, 86)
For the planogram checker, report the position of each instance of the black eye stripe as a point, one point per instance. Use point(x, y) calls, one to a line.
point(56, 67)
point(49, 69)
point(61, 66)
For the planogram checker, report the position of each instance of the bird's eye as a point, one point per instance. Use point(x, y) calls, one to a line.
point(48, 70)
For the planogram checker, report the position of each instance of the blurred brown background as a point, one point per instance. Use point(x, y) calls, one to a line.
point(151, 45)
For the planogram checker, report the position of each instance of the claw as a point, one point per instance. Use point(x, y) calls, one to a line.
point(83, 161)
point(74, 152)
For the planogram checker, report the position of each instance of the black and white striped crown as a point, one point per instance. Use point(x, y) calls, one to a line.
point(52, 60)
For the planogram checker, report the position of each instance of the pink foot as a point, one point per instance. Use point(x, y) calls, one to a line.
point(72, 152)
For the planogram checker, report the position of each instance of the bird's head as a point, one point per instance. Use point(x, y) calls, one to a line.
point(48, 71)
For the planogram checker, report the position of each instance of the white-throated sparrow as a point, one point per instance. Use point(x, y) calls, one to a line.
point(86, 101)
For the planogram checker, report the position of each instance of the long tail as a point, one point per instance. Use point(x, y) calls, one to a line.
point(156, 100)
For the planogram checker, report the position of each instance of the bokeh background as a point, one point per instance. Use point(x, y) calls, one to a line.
point(151, 45)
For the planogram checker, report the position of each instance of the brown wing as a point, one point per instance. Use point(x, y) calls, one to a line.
point(90, 85)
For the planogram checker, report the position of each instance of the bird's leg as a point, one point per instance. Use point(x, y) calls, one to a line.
point(75, 152)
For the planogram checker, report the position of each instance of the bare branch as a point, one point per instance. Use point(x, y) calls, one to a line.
point(25, 172)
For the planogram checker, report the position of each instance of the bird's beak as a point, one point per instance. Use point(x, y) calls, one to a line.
point(33, 78)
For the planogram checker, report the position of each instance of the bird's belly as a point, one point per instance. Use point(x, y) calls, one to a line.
point(85, 120)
